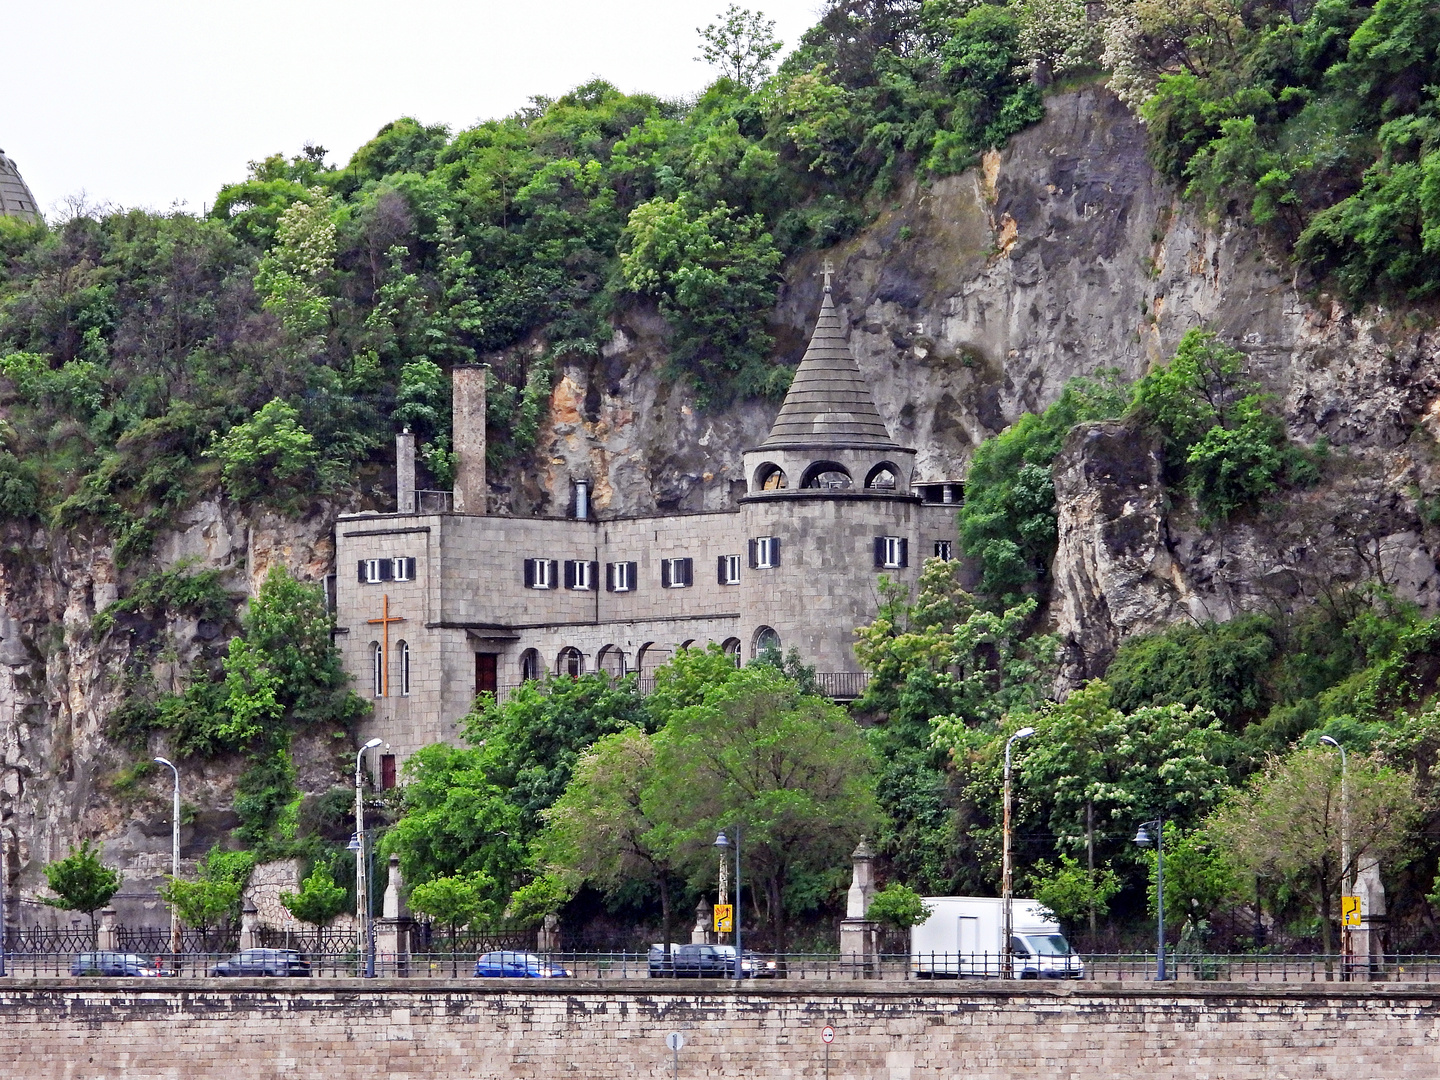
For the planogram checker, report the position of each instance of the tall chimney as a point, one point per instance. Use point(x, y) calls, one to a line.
point(405, 472)
point(467, 425)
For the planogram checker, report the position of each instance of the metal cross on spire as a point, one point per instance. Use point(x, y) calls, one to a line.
point(827, 268)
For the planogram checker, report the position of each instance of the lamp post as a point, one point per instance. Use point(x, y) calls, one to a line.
point(1006, 889)
point(723, 842)
point(362, 899)
point(1142, 837)
point(174, 856)
point(1346, 888)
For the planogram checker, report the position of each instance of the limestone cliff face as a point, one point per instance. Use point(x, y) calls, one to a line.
point(63, 779)
point(968, 300)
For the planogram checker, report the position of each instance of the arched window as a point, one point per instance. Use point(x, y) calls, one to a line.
point(769, 477)
point(766, 640)
point(570, 662)
point(884, 477)
point(611, 661)
point(402, 659)
point(529, 665)
point(647, 658)
point(731, 646)
point(377, 670)
point(826, 474)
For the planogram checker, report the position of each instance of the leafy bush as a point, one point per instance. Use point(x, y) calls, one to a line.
point(898, 907)
point(1008, 519)
point(270, 456)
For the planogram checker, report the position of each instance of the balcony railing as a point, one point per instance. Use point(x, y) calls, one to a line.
point(835, 685)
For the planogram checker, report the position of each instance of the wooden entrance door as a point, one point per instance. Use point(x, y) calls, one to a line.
point(486, 669)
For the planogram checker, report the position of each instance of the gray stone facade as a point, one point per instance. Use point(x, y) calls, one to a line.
point(477, 602)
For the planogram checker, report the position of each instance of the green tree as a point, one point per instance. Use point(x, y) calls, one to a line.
point(741, 45)
point(792, 769)
point(898, 907)
point(461, 900)
point(1284, 826)
point(293, 273)
point(1070, 891)
point(599, 829)
point(713, 273)
point(1008, 519)
point(81, 882)
point(320, 899)
point(213, 898)
point(270, 456)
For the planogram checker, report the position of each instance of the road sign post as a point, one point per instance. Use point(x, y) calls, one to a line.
point(675, 1041)
point(724, 918)
point(827, 1036)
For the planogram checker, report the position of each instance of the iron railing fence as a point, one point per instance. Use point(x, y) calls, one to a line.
point(156, 940)
point(41, 939)
point(325, 941)
point(1137, 968)
point(836, 685)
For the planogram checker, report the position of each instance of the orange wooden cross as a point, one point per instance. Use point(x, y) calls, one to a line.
point(384, 621)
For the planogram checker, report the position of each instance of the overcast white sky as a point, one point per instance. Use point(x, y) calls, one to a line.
point(156, 101)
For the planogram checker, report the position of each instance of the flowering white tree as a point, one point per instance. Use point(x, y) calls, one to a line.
point(1057, 37)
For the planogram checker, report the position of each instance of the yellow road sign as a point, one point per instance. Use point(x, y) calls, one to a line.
point(1350, 911)
point(724, 918)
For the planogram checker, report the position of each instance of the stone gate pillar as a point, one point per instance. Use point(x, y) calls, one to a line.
point(392, 929)
point(857, 933)
point(108, 936)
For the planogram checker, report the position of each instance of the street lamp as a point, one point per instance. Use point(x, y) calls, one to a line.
point(1346, 887)
point(1007, 892)
point(722, 842)
point(174, 857)
point(362, 900)
point(1142, 837)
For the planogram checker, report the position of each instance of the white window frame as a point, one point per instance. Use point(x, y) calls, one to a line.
point(732, 570)
point(374, 575)
point(400, 570)
point(581, 569)
point(404, 669)
point(945, 549)
point(765, 553)
point(673, 565)
point(622, 577)
point(892, 553)
point(377, 670)
point(542, 573)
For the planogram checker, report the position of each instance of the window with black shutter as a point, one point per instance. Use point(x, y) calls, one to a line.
point(620, 577)
point(765, 552)
point(891, 552)
point(754, 553)
point(687, 571)
point(677, 573)
point(540, 573)
point(403, 569)
point(727, 569)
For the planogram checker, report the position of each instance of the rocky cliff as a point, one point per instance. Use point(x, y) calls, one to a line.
point(970, 300)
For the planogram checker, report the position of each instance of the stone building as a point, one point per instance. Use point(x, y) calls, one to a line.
point(15, 197)
point(436, 603)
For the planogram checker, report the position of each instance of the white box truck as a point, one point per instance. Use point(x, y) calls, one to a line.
point(962, 940)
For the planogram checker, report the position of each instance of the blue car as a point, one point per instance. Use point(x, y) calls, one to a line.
point(517, 965)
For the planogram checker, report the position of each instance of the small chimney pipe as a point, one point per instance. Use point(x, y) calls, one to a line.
point(405, 472)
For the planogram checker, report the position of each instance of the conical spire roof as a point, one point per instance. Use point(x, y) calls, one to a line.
point(15, 197)
point(829, 403)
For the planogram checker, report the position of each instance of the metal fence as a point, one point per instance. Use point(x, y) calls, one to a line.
point(335, 958)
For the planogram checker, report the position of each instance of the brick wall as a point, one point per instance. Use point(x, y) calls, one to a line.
point(198, 1030)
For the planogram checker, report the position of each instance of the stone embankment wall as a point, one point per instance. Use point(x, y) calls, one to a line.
point(195, 1029)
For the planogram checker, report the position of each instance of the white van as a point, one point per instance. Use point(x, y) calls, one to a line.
point(961, 940)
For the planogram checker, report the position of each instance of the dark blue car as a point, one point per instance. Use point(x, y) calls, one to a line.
point(517, 965)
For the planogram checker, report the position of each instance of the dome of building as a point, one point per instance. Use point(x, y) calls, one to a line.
point(15, 197)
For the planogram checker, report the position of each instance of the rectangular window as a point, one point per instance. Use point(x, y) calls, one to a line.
point(579, 574)
point(676, 573)
point(620, 577)
point(727, 569)
point(374, 571)
point(944, 549)
point(540, 573)
point(891, 552)
point(765, 553)
point(402, 569)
